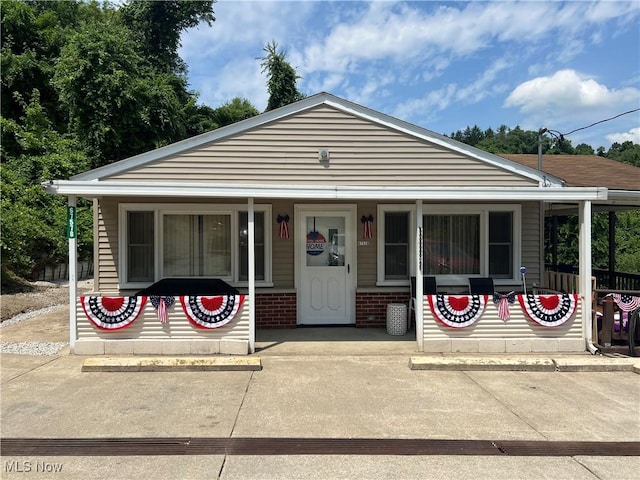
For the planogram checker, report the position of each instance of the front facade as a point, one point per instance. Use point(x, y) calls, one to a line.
point(319, 213)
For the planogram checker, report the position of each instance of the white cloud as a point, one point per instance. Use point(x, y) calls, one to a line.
point(568, 92)
point(632, 135)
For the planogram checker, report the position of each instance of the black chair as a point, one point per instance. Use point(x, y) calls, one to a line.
point(481, 286)
point(429, 287)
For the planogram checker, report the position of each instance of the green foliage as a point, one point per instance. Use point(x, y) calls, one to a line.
point(32, 220)
point(627, 152)
point(628, 241)
point(84, 85)
point(158, 25)
point(234, 111)
point(281, 78)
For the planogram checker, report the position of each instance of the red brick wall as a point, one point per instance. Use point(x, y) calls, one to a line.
point(374, 304)
point(279, 310)
point(276, 310)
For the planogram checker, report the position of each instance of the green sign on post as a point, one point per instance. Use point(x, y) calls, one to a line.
point(71, 222)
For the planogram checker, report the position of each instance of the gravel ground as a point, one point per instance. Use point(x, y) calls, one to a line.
point(20, 310)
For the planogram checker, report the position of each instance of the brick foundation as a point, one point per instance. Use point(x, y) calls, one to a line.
point(279, 310)
point(374, 305)
point(276, 310)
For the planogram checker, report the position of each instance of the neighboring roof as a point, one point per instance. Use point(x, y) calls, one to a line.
point(305, 104)
point(585, 170)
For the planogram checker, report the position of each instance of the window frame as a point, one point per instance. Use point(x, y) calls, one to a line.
point(468, 209)
point(161, 209)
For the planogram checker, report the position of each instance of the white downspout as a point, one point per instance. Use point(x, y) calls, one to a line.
point(73, 266)
point(252, 275)
point(419, 283)
point(584, 258)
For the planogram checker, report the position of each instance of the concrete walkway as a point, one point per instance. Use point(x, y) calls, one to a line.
point(318, 395)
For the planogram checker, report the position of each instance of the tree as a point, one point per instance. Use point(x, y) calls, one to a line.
point(627, 152)
point(234, 111)
point(32, 220)
point(158, 26)
point(281, 78)
point(584, 149)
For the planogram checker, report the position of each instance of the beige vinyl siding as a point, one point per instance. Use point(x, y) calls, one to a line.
point(367, 254)
point(362, 153)
point(148, 327)
point(106, 268)
point(532, 250)
point(283, 264)
point(490, 326)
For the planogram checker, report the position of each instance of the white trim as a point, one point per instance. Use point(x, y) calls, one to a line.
point(410, 209)
point(320, 192)
point(584, 270)
point(161, 209)
point(251, 267)
point(418, 307)
point(482, 210)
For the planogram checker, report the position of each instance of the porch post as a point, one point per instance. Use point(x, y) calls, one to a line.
point(584, 218)
point(73, 265)
point(252, 275)
point(419, 280)
point(612, 250)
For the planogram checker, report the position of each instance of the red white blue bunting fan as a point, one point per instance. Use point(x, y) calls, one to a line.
point(457, 311)
point(549, 310)
point(211, 312)
point(112, 313)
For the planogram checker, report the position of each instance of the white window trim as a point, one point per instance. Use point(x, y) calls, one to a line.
point(161, 209)
point(382, 209)
point(435, 209)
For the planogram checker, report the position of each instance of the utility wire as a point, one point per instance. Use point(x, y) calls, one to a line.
point(596, 123)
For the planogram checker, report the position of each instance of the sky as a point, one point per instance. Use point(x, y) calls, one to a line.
point(440, 65)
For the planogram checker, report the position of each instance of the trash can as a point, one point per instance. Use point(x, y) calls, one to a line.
point(396, 319)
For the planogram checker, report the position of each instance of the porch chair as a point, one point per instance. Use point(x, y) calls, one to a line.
point(481, 286)
point(429, 287)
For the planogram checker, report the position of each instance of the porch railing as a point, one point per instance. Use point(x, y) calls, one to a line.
point(604, 278)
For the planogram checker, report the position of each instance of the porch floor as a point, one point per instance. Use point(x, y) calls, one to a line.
point(334, 341)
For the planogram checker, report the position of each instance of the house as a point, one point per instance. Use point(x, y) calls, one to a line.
point(318, 213)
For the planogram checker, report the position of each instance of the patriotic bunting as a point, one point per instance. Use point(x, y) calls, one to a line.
point(457, 311)
point(161, 304)
point(626, 303)
point(503, 302)
point(366, 226)
point(112, 313)
point(283, 221)
point(211, 312)
point(549, 310)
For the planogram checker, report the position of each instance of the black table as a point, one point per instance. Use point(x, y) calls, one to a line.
point(207, 287)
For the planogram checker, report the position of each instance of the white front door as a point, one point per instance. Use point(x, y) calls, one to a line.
point(325, 265)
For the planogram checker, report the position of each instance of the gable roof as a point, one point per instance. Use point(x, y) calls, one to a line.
point(177, 148)
point(585, 170)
